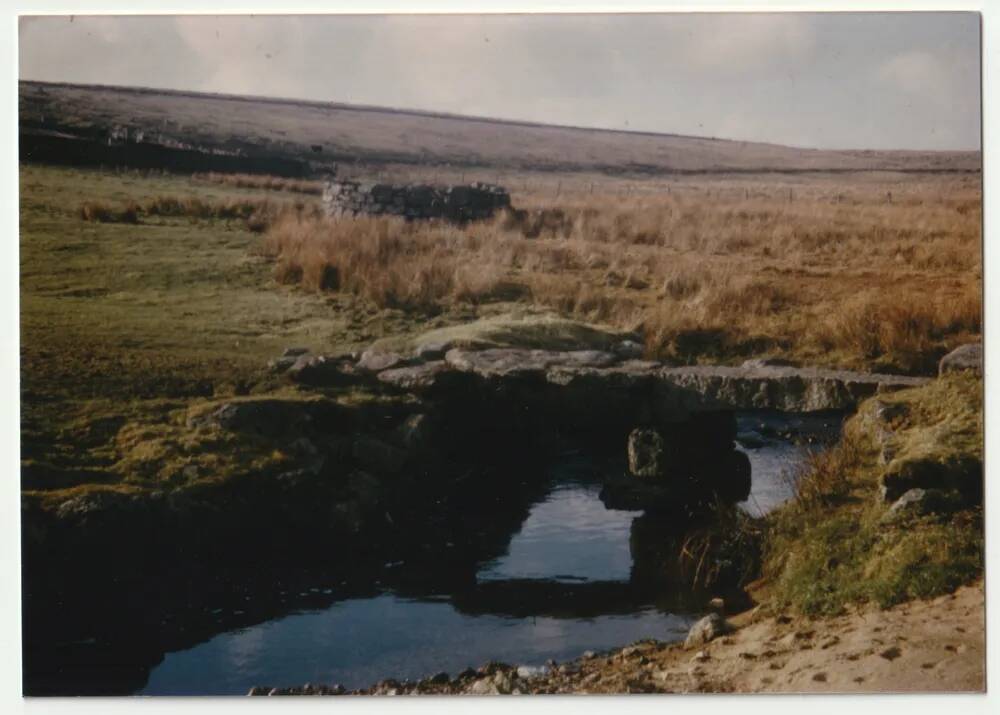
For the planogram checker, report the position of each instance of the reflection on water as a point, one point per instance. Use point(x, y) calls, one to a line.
point(568, 537)
point(361, 641)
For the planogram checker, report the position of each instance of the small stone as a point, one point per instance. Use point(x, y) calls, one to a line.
point(701, 656)
point(531, 671)
point(707, 629)
point(483, 686)
point(628, 350)
point(917, 502)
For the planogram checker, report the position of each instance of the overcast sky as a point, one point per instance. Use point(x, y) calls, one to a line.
point(878, 81)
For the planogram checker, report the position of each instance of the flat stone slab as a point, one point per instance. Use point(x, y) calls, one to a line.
point(417, 378)
point(503, 362)
point(683, 389)
point(788, 389)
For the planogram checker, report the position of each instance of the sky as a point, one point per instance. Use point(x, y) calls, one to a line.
point(825, 80)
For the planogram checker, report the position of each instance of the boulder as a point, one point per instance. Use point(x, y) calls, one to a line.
point(967, 358)
point(647, 457)
point(272, 418)
point(321, 371)
point(375, 360)
point(707, 629)
point(958, 472)
point(919, 502)
point(418, 378)
point(281, 364)
point(416, 432)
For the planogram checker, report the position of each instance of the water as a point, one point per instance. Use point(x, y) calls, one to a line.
point(569, 537)
point(775, 459)
point(361, 641)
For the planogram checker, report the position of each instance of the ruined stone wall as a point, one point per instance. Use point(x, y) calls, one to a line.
point(414, 201)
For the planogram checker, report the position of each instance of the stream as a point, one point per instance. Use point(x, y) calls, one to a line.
point(569, 540)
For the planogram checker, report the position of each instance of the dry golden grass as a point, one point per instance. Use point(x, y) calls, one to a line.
point(257, 213)
point(860, 282)
point(100, 212)
point(262, 181)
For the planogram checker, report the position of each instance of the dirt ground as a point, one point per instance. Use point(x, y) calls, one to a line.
point(920, 646)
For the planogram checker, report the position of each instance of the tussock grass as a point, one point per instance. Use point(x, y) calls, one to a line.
point(725, 554)
point(829, 548)
point(258, 214)
point(100, 212)
point(394, 264)
point(261, 181)
point(866, 284)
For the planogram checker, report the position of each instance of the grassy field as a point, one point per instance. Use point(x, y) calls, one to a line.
point(144, 293)
point(130, 321)
point(864, 273)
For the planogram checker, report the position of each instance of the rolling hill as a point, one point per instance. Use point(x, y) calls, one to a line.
point(82, 124)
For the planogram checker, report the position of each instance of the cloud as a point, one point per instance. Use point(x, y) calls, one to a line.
point(747, 43)
point(916, 72)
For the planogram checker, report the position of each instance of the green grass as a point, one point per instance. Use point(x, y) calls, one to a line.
point(829, 548)
point(125, 324)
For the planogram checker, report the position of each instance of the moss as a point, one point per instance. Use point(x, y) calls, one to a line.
point(51, 499)
point(523, 328)
point(829, 547)
point(125, 324)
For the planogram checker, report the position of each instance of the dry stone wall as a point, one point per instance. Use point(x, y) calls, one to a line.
point(414, 201)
